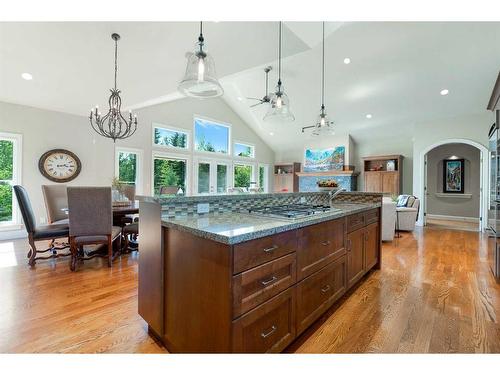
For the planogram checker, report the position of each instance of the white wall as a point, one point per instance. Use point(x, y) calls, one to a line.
point(453, 204)
point(43, 130)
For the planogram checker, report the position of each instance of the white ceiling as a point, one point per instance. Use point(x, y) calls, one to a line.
point(396, 73)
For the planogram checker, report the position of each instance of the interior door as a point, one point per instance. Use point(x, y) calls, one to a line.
point(211, 176)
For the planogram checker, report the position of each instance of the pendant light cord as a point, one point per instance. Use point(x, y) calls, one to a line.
point(279, 56)
point(323, 72)
point(200, 38)
point(116, 59)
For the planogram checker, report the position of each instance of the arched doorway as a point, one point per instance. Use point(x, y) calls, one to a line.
point(483, 178)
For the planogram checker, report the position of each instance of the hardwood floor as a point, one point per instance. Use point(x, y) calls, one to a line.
point(434, 294)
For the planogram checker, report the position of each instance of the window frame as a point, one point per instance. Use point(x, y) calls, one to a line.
point(238, 162)
point(167, 155)
point(252, 157)
point(229, 154)
point(17, 162)
point(158, 125)
point(266, 176)
point(138, 165)
point(213, 173)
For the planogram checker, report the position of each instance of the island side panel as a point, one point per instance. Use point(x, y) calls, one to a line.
point(150, 291)
point(198, 298)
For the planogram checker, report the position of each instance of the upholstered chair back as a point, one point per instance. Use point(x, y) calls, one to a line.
point(90, 211)
point(24, 203)
point(56, 199)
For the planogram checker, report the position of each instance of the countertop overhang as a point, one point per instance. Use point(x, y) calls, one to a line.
point(234, 227)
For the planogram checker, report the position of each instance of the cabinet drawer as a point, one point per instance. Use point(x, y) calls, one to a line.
point(252, 253)
point(319, 245)
point(268, 328)
point(371, 216)
point(356, 221)
point(318, 292)
point(252, 287)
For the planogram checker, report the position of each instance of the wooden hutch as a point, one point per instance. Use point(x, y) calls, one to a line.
point(285, 177)
point(383, 174)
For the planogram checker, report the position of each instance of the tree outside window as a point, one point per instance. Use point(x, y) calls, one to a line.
point(169, 173)
point(6, 176)
point(242, 175)
point(127, 167)
point(170, 137)
point(211, 137)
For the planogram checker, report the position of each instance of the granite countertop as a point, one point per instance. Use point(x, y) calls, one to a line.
point(235, 227)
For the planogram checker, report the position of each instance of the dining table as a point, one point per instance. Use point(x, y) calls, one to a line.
point(119, 210)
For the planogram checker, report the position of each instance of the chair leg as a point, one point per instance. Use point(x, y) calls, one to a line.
point(32, 252)
point(110, 250)
point(74, 255)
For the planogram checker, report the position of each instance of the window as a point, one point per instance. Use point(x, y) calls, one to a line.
point(10, 163)
point(210, 136)
point(243, 175)
point(128, 166)
point(244, 150)
point(264, 177)
point(169, 174)
point(170, 137)
point(211, 176)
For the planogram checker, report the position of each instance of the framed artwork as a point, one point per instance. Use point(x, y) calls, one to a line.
point(453, 176)
point(324, 159)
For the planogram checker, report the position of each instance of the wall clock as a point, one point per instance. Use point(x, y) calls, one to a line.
point(59, 165)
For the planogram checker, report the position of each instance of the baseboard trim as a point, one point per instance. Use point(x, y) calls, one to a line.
point(454, 218)
point(12, 234)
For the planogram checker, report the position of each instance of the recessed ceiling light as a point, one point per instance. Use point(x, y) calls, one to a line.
point(347, 60)
point(271, 133)
point(369, 115)
point(444, 92)
point(27, 76)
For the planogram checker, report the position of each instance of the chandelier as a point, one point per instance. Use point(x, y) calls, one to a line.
point(113, 125)
point(323, 125)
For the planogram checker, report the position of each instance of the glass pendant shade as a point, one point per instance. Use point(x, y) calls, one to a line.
point(200, 80)
point(323, 126)
point(279, 107)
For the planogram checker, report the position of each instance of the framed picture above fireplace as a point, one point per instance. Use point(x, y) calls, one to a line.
point(453, 176)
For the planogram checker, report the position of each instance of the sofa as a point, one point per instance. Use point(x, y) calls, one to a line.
point(388, 219)
point(407, 215)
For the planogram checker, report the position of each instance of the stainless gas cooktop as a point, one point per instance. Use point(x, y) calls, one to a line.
point(290, 211)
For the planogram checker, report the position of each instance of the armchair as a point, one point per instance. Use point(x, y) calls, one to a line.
point(407, 216)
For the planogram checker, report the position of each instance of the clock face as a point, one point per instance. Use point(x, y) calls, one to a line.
point(59, 165)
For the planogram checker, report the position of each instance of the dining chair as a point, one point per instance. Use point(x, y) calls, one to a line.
point(129, 191)
point(91, 223)
point(130, 233)
point(36, 233)
point(56, 200)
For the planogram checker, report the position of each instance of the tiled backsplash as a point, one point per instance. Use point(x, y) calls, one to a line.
point(187, 206)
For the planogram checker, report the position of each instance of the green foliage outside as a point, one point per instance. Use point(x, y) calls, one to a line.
point(6, 168)
point(203, 178)
point(175, 140)
point(205, 145)
point(221, 178)
point(261, 177)
point(169, 173)
point(127, 164)
point(242, 174)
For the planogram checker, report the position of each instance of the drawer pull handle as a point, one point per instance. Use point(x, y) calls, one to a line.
point(269, 333)
point(325, 289)
point(326, 243)
point(269, 281)
point(270, 249)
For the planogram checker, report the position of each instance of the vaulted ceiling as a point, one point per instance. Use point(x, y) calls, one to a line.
point(396, 73)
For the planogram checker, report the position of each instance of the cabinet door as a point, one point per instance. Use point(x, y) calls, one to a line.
point(373, 182)
point(355, 256)
point(316, 293)
point(319, 245)
point(390, 182)
point(269, 327)
point(372, 244)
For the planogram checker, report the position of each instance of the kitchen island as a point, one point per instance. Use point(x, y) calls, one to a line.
point(233, 281)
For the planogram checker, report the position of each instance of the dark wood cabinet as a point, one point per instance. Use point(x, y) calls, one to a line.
point(316, 293)
point(319, 245)
point(255, 296)
point(355, 256)
point(267, 329)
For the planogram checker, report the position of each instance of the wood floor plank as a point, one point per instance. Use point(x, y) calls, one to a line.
point(434, 294)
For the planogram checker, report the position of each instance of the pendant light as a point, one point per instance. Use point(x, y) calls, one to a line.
point(323, 125)
point(113, 125)
point(280, 104)
point(200, 80)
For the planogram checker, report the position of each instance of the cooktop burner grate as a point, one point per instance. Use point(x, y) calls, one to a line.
point(290, 211)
